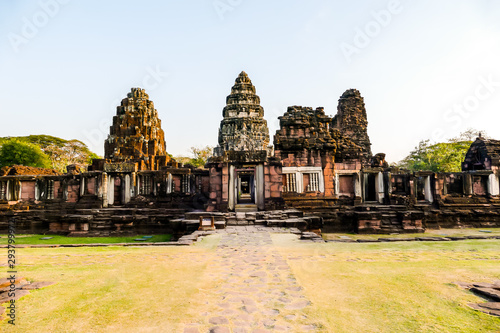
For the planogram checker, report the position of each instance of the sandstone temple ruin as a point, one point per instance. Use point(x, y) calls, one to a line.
point(315, 172)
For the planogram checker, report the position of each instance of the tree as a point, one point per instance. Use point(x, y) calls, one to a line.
point(199, 156)
point(470, 135)
point(14, 152)
point(440, 157)
point(59, 151)
point(69, 152)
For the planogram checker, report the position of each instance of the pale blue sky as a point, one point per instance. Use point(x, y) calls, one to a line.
point(66, 77)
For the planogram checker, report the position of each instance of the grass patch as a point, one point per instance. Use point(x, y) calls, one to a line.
point(428, 233)
point(57, 239)
point(394, 287)
point(360, 287)
point(111, 289)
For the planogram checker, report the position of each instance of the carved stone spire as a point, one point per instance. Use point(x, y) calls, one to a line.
point(136, 132)
point(243, 127)
point(352, 122)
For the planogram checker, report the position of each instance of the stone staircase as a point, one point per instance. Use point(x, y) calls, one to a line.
point(277, 218)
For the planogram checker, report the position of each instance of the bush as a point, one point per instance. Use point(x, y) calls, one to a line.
point(14, 152)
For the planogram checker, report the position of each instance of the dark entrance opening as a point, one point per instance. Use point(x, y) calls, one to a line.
point(246, 192)
point(370, 189)
point(420, 188)
point(117, 191)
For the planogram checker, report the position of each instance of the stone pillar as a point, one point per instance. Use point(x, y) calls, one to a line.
point(15, 190)
point(357, 185)
point(126, 189)
point(259, 181)
point(138, 185)
point(64, 185)
point(169, 183)
point(428, 189)
point(100, 185)
point(336, 185)
point(364, 179)
point(467, 184)
point(133, 181)
point(389, 184)
point(104, 189)
point(37, 191)
point(321, 181)
point(82, 186)
point(299, 181)
point(232, 188)
point(493, 185)
point(111, 190)
point(379, 183)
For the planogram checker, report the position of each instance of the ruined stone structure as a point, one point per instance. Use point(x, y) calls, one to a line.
point(352, 123)
point(244, 176)
point(305, 145)
point(321, 166)
point(136, 135)
point(484, 154)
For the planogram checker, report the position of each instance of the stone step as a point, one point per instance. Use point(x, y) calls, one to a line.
point(246, 208)
point(206, 216)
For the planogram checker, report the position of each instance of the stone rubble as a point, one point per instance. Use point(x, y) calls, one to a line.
point(488, 291)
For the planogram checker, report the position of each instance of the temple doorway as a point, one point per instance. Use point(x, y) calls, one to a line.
point(246, 188)
point(117, 184)
point(370, 187)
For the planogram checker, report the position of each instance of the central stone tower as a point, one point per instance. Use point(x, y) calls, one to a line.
point(243, 127)
point(244, 176)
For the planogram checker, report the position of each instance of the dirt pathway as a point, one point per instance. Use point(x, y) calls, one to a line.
point(257, 290)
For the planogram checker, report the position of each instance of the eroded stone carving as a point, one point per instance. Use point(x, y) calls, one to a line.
point(136, 133)
point(243, 127)
point(352, 123)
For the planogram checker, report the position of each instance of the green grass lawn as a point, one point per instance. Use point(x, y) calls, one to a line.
point(394, 287)
point(353, 287)
point(110, 289)
point(36, 239)
point(428, 233)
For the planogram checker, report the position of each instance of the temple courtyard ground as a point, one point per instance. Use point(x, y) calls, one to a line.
point(248, 279)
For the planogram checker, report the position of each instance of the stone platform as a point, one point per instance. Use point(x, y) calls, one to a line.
point(276, 218)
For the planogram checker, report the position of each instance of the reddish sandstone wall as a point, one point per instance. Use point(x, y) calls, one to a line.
point(28, 190)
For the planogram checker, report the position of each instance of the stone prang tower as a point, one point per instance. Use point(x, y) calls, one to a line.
point(136, 133)
point(244, 174)
point(243, 127)
point(352, 123)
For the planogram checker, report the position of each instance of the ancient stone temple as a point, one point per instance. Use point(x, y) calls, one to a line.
point(243, 173)
point(352, 123)
point(321, 170)
point(136, 135)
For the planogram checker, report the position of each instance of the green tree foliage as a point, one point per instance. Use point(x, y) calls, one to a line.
point(440, 157)
point(199, 156)
point(14, 152)
point(60, 152)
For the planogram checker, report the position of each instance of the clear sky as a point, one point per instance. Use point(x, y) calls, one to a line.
point(426, 69)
